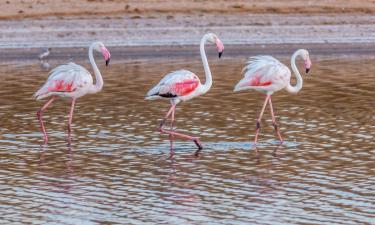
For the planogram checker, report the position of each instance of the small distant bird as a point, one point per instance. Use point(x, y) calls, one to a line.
point(71, 81)
point(42, 58)
point(266, 74)
point(45, 54)
point(183, 85)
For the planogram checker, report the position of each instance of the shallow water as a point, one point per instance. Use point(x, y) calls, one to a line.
point(120, 170)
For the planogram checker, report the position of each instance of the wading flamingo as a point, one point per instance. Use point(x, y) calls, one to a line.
point(266, 74)
point(183, 85)
point(71, 81)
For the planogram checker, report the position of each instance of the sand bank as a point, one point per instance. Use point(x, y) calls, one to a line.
point(57, 24)
point(41, 8)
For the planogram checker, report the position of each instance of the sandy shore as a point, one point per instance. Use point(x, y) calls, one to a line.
point(47, 23)
point(40, 8)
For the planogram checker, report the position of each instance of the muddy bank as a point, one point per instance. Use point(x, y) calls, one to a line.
point(71, 24)
point(42, 8)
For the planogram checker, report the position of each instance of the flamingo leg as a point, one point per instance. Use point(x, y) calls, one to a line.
point(173, 133)
point(171, 137)
point(70, 121)
point(274, 123)
point(166, 116)
point(39, 114)
point(260, 118)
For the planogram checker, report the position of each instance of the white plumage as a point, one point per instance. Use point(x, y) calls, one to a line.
point(69, 80)
point(265, 74)
point(168, 86)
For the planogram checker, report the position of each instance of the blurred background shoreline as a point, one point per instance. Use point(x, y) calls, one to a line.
point(131, 25)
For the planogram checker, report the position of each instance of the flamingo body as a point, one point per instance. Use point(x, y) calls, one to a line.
point(265, 74)
point(70, 80)
point(180, 85)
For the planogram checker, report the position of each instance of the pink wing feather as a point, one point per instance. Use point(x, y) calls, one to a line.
point(263, 73)
point(174, 84)
point(65, 79)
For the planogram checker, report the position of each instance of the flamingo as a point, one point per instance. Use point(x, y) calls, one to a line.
point(45, 65)
point(268, 75)
point(44, 54)
point(183, 85)
point(71, 81)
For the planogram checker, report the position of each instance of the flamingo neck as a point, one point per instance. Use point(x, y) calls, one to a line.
point(98, 76)
point(207, 85)
point(298, 86)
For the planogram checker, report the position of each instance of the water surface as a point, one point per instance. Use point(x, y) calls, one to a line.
point(120, 170)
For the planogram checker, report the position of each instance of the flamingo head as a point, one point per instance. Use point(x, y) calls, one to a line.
point(212, 38)
point(306, 58)
point(99, 47)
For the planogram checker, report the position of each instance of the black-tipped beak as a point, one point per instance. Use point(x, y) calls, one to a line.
point(220, 53)
point(107, 62)
point(307, 70)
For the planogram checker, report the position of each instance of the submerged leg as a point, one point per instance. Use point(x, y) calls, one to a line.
point(39, 114)
point(70, 121)
point(259, 119)
point(274, 123)
point(173, 133)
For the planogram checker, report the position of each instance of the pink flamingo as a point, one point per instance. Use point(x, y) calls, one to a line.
point(183, 85)
point(266, 74)
point(71, 81)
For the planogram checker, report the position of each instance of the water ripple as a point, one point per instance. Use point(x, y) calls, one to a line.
point(120, 170)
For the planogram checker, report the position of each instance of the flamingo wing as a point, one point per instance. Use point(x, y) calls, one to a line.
point(175, 84)
point(262, 72)
point(65, 78)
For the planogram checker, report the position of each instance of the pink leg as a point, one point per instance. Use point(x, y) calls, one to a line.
point(171, 137)
point(166, 116)
point(39, 116)
point(70, 121)
point(274, 123)
point(161, 130)
point(259, 119)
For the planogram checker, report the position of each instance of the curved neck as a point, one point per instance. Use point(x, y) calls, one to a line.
point(298, 86)
point(98, 76)
point(207, 85)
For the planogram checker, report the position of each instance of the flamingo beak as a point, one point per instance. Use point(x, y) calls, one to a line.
point(219, 46)
point(308, 65)
point(106, 55)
